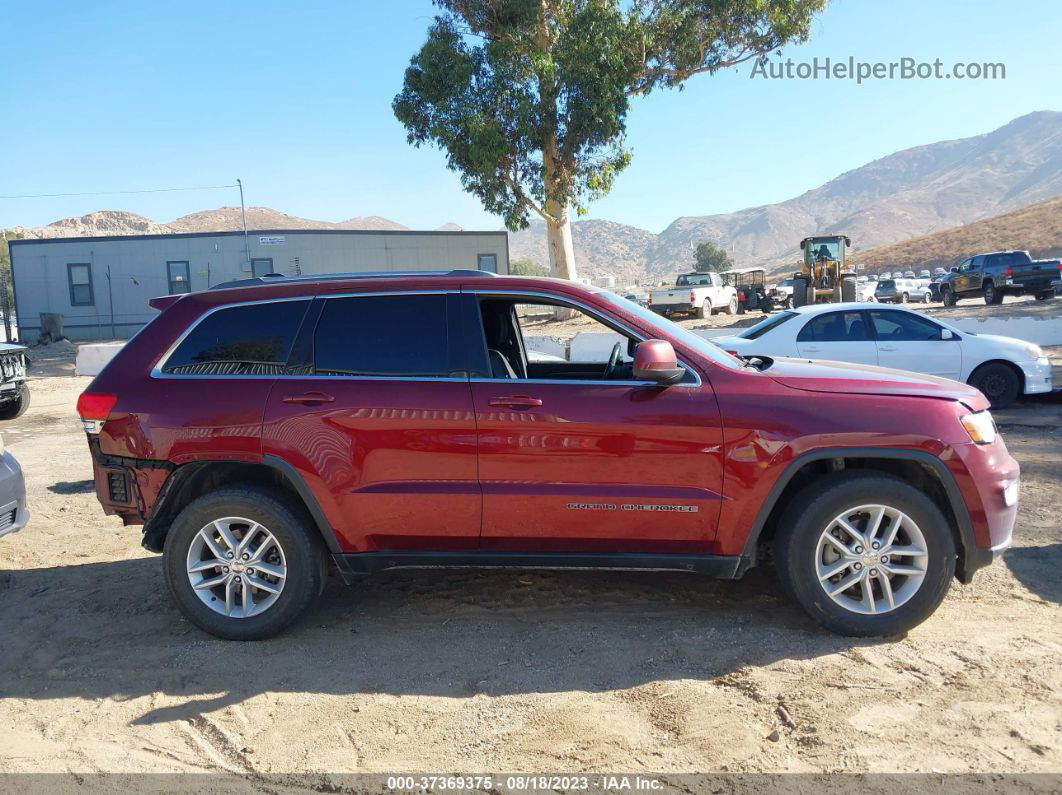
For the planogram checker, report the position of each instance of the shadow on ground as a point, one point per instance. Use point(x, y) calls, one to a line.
point(72, 487)
point(1039, 569)
point(108, 630)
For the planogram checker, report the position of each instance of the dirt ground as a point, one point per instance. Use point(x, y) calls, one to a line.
point(473, 672)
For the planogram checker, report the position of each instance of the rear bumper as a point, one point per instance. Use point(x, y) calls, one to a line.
point(1037, 376)
point(13, 511)
point(661, 308)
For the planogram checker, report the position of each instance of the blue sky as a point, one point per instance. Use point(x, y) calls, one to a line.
point(295, 98)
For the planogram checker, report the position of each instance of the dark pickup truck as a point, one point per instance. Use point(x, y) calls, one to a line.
point(998, 274)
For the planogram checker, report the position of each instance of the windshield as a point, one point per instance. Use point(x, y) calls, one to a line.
point(820, 250)
point(785, 283)
point(685, 280)
point(765, 325)
point(654, 321)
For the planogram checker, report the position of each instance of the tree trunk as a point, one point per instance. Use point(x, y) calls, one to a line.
point(559, 242)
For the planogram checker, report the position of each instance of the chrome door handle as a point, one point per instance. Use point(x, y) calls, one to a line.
point(309, 398)
point(886, 347)
point(812, 348)
point(515, 402)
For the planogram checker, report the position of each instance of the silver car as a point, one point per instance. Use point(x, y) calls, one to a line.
point(13, 511)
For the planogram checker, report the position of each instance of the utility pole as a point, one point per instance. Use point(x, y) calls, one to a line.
point(3, 294)
point(243, 211)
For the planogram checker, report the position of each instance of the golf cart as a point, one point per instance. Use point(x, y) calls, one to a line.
point(751, 287)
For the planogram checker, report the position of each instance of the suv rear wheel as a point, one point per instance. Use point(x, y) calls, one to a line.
point(868, 554)
point(242, 563)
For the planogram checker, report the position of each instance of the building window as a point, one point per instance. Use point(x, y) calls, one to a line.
point(261, 267)
point(487, 262)
point(79, 275)
point(177, 275)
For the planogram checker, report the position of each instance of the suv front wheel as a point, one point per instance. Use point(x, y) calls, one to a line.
point(242, 563)
point(867, 554)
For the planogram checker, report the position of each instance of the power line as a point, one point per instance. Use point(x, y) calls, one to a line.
point(114, 192)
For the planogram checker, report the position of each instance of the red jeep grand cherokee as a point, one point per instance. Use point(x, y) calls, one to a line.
point(265, 428)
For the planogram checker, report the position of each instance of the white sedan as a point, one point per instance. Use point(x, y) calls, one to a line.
point(865, 333)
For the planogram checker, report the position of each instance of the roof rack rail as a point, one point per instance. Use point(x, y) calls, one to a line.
point(274, 278)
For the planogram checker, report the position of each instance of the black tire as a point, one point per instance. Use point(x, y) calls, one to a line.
point(992, 295)
point(800, 292)
point(302, 548)
point(999, 383)
point(1045, 295)
point(796, 546)
point(17, 406)
point(948, 296)
point(704, 310)
point(732, 307)
point(904, 298)
point(848, 289)
point(741, 308)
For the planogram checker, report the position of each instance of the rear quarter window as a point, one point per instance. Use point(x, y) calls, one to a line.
point(251, 339)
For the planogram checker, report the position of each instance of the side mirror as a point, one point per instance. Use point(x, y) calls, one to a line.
point(945, 334)
point(955, 269)
point(655, 360)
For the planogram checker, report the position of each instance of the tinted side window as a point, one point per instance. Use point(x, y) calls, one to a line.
point(383, 335)
point(903, 327)
point(253, 339)
point(835, 327)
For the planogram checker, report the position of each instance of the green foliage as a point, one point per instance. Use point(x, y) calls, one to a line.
point(710, 257)
point(525, 267)
point(529, 98)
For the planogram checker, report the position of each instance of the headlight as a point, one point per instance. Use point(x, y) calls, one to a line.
point(980, 426)
point(1035, 351)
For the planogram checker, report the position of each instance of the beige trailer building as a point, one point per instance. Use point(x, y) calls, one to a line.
point(101, 285)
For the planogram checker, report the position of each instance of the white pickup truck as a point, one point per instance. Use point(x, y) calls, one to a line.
point(699, 294)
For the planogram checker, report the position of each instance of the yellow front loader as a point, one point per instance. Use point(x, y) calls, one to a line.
point(823, 277)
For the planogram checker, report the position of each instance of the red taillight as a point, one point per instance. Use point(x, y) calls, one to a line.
point(693, 298)
point(1009, 272)
point(649, 300)
point(732, 353)
point(95, 406)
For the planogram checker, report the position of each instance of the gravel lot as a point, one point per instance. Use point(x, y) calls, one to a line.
point(467, 672)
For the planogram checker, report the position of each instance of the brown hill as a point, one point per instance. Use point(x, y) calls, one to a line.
point(1037, 228)
point(911, 192)
point(101, 222)
point(223, 219)
point(227, 219)
point(369, 222)
point(601, 247)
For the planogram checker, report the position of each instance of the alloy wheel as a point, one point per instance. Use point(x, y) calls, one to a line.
point(236, 567)
point(871, 559)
